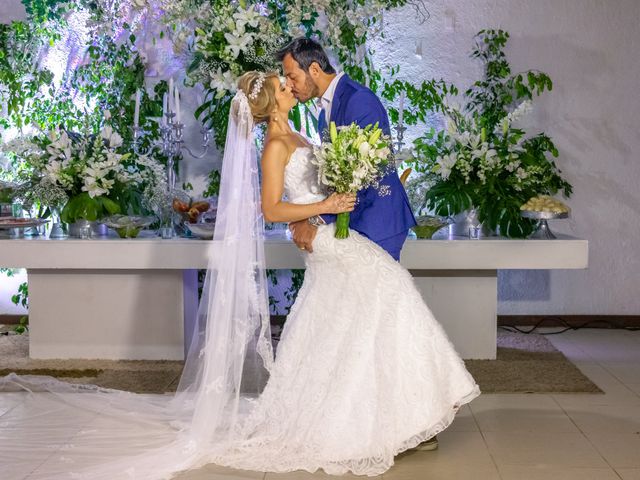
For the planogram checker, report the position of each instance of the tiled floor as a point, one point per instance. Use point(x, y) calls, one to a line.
point(521, 437)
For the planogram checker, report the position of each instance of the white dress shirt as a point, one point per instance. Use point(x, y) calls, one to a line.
point(327, 97)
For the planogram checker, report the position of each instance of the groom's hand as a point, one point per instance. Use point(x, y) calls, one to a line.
point(303, 234)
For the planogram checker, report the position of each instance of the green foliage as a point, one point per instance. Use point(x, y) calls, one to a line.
point(20, 76)
point(82, 206)
point(214, 114)
point(109, 81)
point(492, 97)
point(40, 11)
point(297, 279)
point(290, 295)
point(22, 298)
point(428, 97)
point(213, 185)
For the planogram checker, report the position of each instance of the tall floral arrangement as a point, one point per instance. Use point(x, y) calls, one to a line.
point(482, 159)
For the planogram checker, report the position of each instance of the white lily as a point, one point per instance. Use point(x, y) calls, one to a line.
point(247, 17)
point(112, 137)
point(223, 82)
point(238, 40)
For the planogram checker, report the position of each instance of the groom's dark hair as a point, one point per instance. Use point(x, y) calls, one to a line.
point(305, 51)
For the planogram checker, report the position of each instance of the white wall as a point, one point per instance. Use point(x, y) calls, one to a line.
point(11, 10)
point(590, 50)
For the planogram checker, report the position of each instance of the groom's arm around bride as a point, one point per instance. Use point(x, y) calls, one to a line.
point(382, 214)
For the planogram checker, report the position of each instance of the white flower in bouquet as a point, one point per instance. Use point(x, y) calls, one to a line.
point(354, 160)
point(53, 170)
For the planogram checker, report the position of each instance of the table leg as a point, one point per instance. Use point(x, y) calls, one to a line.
point(465, 303)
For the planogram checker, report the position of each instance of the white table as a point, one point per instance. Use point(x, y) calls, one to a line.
point(131, 299)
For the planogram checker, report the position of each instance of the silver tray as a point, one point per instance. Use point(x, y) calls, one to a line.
point(543, 215)
point(34, 222)
point(542, 231)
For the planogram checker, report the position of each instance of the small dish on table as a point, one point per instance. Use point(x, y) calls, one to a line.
point(128, 226)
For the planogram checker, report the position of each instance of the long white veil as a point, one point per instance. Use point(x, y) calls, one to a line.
point(89, 432)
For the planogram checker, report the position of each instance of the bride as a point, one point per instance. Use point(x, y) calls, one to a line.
point(363, 371)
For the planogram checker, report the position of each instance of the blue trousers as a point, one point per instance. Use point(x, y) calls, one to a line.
point(393, 245)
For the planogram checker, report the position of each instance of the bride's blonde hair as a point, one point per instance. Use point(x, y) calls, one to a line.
point(264, 101)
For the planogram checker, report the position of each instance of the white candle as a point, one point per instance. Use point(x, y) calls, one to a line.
point(136, 113)
point(401, 110)
point(177, 104)
point(163, 121)
point(171, 109)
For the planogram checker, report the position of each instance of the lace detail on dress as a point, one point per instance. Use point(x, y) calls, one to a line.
point(301, 178)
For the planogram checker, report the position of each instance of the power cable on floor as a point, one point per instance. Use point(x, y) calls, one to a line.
point(610, 326)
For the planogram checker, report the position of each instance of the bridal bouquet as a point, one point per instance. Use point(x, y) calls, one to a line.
point(352, 161)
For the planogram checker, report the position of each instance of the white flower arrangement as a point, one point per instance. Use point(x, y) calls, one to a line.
point(91, 175)
point(466, 148)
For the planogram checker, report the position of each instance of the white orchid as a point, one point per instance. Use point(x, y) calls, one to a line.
point(364, 149)
point(60, 146)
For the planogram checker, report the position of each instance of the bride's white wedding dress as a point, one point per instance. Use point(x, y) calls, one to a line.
point(362, 372)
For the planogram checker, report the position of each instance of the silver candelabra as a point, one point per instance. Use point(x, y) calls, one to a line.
point(172, 144)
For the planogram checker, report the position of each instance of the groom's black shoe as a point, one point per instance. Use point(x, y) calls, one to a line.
point(428, 445)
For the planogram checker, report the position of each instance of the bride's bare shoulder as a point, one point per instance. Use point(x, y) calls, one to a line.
point(278, 149)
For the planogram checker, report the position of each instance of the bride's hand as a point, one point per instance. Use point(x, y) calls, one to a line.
point(339, 203)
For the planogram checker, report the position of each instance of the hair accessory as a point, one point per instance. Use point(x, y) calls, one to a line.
point(257, 86)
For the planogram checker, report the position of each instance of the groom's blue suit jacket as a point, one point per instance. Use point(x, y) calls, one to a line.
point(378, 217)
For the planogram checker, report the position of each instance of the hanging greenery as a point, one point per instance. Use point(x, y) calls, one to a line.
point(224, 39)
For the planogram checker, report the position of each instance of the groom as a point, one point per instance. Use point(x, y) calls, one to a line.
point(383, 218)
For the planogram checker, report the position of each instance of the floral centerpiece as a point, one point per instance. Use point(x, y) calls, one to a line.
point(352, 161)
point(88, 176)
point(481, 160)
